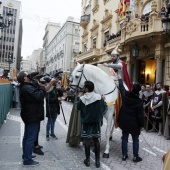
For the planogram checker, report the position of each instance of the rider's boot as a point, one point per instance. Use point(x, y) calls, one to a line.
point(97, 154)
point(87, 153)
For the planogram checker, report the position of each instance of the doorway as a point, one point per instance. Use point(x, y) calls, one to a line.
point(147, 70)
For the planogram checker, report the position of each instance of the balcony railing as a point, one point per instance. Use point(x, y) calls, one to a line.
point(85, 19)
point(144, 27)
point(88, 55)
point(135, 28)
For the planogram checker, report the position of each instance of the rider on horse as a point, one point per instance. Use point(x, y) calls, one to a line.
point(119, 68)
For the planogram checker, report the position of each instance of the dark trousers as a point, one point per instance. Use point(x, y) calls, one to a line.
point(30, 134)
point(135, 138)
point(50, 125)
point(36, 141)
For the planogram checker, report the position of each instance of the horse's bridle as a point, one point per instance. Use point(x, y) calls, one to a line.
point(82, 74)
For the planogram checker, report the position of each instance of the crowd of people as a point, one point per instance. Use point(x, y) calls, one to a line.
point(143, 107)
point(156, 108)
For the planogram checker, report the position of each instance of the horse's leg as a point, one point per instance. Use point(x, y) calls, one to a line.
point(112, 128)
point(109, 117)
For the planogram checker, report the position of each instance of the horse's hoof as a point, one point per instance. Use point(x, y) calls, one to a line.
point(106, 155)
point(110, 138)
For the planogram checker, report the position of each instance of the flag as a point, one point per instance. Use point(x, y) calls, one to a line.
point(124, 6)
point(120, 8)
point(64, 80)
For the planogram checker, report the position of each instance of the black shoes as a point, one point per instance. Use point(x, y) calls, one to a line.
point(47, 137)
point(30, 164)
point(87, 162)
point(38, 151)
point(124, 157)
point(137, 159)
point(54, 136)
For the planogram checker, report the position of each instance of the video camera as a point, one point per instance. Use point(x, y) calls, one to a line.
point(46, 78)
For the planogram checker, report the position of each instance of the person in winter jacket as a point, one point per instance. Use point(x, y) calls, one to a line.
point(32, 112)
point(131, 119)
point(52, 110)
point(92, 107)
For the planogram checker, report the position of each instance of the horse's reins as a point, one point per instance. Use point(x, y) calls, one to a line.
point(82, 74)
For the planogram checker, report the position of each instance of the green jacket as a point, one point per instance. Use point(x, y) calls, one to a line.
point(92, 112)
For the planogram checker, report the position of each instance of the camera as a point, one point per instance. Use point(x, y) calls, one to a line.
point(45, 78)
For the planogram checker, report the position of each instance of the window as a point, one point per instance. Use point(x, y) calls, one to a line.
point(107, 35)
point(76, 31)
point(94, 42)
point(85, 48)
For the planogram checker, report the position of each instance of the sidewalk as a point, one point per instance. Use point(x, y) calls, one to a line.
point(58, 155)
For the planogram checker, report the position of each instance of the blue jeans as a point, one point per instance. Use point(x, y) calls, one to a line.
point(50, 125)
point(30, 134)
point(125, 144)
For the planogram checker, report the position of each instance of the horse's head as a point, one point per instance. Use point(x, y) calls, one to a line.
point(78, 77)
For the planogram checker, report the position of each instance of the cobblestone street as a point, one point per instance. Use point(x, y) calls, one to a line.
point(58, 155)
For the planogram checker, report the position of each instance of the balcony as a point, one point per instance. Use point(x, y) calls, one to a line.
point(89, 55)
point(85, 19)
point(135, 29)
point(111, 44)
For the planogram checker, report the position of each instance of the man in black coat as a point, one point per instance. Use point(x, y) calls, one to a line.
point(32, 112)
point(131, 119)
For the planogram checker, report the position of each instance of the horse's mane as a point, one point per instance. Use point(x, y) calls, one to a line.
point(97, 71)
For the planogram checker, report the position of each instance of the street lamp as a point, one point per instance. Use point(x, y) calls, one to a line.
point(10, 61)
point(135, 50)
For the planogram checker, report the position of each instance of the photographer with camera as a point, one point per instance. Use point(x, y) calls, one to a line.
point(32, 112)
point(52, 110)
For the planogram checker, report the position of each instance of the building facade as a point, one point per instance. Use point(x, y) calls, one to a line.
point(35, 59)
point(26, 65)
point(60, 52)
point(98, 23)
point(144, 45)
point(11, 37)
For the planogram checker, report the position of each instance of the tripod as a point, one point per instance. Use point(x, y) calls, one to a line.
point(63, 113)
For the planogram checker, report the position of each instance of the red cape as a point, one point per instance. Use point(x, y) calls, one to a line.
point(126, 76)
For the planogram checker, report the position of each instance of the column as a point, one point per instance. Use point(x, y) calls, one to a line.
point(158, 69)
point(159, 53)
point(159, 5)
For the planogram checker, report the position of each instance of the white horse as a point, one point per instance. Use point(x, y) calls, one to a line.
point(104, 85)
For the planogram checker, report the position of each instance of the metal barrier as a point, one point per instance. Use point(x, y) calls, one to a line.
point(5, 101)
